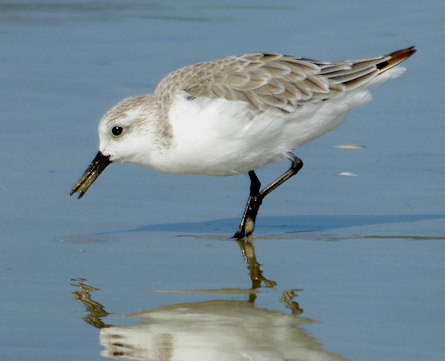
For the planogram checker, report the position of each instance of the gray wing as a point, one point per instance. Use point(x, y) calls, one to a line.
point(274, 80)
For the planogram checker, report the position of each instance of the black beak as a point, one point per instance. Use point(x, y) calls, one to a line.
point(99, 163)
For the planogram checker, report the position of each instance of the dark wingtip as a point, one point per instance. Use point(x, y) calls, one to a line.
point(395, 58)
point(403, 53)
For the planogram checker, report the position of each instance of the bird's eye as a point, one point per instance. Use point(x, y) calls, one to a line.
point(117, 130)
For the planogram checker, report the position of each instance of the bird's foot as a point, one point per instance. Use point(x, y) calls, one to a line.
point(247, 224)
point(245, 229)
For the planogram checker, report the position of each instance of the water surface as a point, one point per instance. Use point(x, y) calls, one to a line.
point(343, 268)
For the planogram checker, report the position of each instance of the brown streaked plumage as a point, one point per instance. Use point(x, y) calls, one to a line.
point(275, 80)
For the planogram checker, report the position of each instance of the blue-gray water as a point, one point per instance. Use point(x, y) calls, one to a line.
point(149, 256)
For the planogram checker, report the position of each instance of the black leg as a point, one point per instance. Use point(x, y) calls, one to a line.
point(247, 224)
point(253, 204)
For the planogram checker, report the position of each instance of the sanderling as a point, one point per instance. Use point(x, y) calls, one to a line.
point(235, 115)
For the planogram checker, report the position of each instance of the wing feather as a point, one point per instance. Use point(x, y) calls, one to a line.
point(275, 81)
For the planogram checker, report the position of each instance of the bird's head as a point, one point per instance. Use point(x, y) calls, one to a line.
point(127, 132)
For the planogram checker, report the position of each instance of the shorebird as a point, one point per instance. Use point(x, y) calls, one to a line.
point(235, 115)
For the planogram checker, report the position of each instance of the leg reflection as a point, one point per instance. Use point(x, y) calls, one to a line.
point(96, 311)
point(287, 299)
point(256, 274)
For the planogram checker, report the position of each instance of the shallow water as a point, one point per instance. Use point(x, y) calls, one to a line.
point(142, 268)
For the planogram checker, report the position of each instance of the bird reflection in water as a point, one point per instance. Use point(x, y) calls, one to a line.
point(214, 330)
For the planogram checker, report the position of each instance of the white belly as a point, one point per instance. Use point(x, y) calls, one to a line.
point(222, 138)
